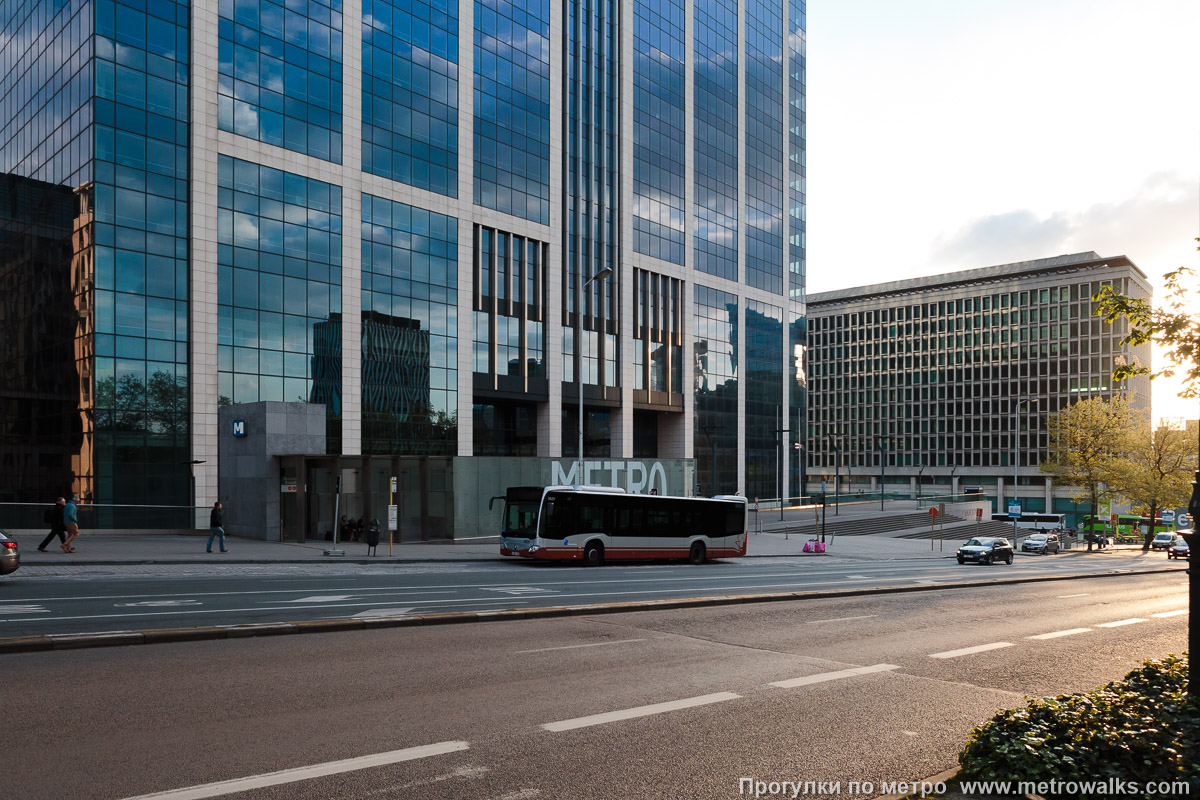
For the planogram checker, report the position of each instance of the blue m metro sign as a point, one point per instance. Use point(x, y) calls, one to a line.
point(239, 427)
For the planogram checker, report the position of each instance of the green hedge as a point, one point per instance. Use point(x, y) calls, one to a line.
point(1140, 728)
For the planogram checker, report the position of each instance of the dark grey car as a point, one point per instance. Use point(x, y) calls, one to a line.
point(10, 558)
point(1044, 543)
point(986, 550)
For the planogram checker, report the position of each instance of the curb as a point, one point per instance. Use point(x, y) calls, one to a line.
point(77, 641)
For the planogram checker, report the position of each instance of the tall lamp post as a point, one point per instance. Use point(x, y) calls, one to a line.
point(882, 443)
point(836, 472)
point(1194, 585)
point(1016, 407)
point(600, 275)
point(920, 480)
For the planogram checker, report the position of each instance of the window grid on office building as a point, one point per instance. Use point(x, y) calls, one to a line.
point(279, 277)
point(939, 379)
point(280, 74)
point(509, 304)
point(764, 399)
point(764, 155)
point(659, 146)
point(410, 93)
point(512, 108)
point(715, 154)
point(715, 344)
point(657, 332)
point(410, 323)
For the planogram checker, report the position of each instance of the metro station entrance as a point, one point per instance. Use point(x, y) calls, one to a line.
point(317, 491)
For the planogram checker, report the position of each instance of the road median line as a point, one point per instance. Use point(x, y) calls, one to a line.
point(74, 641)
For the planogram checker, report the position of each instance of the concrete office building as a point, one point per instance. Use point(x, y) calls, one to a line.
point(435, 219)
point(944, 382)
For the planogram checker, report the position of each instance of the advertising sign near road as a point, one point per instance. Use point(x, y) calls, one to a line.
point(1014, 508)
point(393, 517)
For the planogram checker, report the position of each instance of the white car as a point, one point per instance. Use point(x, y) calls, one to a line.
point(1162, 541)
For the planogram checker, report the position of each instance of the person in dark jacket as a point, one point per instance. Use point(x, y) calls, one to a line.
point(216, 526)
point(57, 528)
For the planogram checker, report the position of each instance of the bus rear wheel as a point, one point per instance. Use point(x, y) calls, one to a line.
point(593, 555)
point(697, 554)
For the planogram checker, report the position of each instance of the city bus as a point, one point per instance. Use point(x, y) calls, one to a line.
point(1031, 519)
point(1129, 526)
point(592, 524)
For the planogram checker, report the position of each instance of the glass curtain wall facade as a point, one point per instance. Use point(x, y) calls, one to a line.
point(797, 323)
point(191, 192)
point(512, 108)
point(410, 93)
point(715, 213)
point(410, 320)
point(660, 147)
point(279, 282)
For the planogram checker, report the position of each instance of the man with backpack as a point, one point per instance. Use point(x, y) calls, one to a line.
point(54, 517)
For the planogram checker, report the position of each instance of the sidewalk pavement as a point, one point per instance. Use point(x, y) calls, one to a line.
point(108, 549)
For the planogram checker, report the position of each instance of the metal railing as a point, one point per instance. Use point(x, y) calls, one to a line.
point(96, 517)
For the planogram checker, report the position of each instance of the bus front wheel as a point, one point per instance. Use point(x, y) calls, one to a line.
point(593, 555)
point(697, 555)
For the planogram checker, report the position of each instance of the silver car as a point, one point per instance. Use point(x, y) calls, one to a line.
point(1044, 543)
point(10, 559)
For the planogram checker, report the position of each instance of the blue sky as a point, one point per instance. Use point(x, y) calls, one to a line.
point(953, 135)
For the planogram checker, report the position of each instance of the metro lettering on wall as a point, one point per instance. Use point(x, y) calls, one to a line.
point(640, 477)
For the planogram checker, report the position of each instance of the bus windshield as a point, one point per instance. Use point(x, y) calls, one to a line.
point(520, 519)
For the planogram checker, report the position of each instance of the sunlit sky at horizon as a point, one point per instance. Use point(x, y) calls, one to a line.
point(946, 135)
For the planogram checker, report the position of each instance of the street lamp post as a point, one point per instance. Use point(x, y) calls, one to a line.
point(1194, 585)
point(1017, 406)
point(882, 443)
point(601, 274)
point(836, 472)
point(920, 480)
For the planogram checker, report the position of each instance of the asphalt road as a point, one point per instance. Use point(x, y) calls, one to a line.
point(667, 704)
point(176, 597)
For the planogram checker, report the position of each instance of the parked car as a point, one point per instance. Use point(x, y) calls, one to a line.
point(986, 550)
point(1044, 543)
point(1162, 541)
point(1179, 548)
point(10, 558)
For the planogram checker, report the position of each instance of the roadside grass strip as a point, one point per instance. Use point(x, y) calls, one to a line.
point(305, 773)
point(639, 711)
point(822, 677)
point(967, 651)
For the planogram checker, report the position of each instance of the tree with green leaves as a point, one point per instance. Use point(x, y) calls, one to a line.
point(1086, 440)
point(1154, 471)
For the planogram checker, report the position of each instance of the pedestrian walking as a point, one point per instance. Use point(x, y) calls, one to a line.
point(71, 523)
point(216, 526)
point(54, 515)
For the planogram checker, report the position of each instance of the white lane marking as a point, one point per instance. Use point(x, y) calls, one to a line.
point(966, 651)
point(382, 612)
point(640, 711)
point(1176, 613)
point(833, 676)
point(520, 590)
point(926, 582)
point(1063, 596)
point(158, 604)
point(305, 773)
point(1120, 622)
point(24, 610)
point(1057, 634)
point(910, 733)
point(578, 646)
point(839, 619)
point(322, 598)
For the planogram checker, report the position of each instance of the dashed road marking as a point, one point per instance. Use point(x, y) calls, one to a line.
point(1120, 622)
point(1064, 596)
point(966, 651)
point(839, 619)
point(305, 773)
point(1176, 613)
point(578, 646)
point(1057, 634)
point(833, 676)
point(639, 711)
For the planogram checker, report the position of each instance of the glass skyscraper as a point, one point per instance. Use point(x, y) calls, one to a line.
point(399, 209)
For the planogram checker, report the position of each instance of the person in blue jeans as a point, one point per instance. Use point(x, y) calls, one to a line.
point(216, 527)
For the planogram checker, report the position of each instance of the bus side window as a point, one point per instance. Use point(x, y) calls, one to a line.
point(558, 518)
point(592, 517)
point(735, 519)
